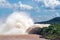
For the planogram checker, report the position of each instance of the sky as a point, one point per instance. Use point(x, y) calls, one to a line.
point(40, 10)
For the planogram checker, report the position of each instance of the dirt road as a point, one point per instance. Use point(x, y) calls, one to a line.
point(21, 37)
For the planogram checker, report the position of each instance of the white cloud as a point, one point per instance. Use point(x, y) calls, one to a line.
point(37, 0)
point(25, 6)
point(49, 3)
point(37, 9)
point(57, 14)
point(6, 4)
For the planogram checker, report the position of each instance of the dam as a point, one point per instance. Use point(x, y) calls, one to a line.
point(20, 23)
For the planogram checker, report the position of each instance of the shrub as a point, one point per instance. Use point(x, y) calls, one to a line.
point(52, 32)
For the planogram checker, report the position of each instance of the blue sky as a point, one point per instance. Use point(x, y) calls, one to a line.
point(40, 10)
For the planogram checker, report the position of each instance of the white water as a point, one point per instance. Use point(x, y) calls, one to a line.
point(16, 23)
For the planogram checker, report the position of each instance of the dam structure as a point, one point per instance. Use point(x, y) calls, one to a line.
point(19, 23)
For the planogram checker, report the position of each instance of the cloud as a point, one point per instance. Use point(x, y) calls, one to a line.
point(6, 4)
point(57, 14)
point(49, 3)
point(37, 0)
point(25, 6)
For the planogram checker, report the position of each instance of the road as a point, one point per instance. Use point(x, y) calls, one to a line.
point(21, 37)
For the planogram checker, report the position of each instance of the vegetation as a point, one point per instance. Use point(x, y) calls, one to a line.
point(52, 32)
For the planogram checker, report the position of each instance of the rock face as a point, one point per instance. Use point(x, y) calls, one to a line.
point(34, 30)
point(21, 37)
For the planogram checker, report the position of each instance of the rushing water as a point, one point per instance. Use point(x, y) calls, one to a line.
point(16, 23)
